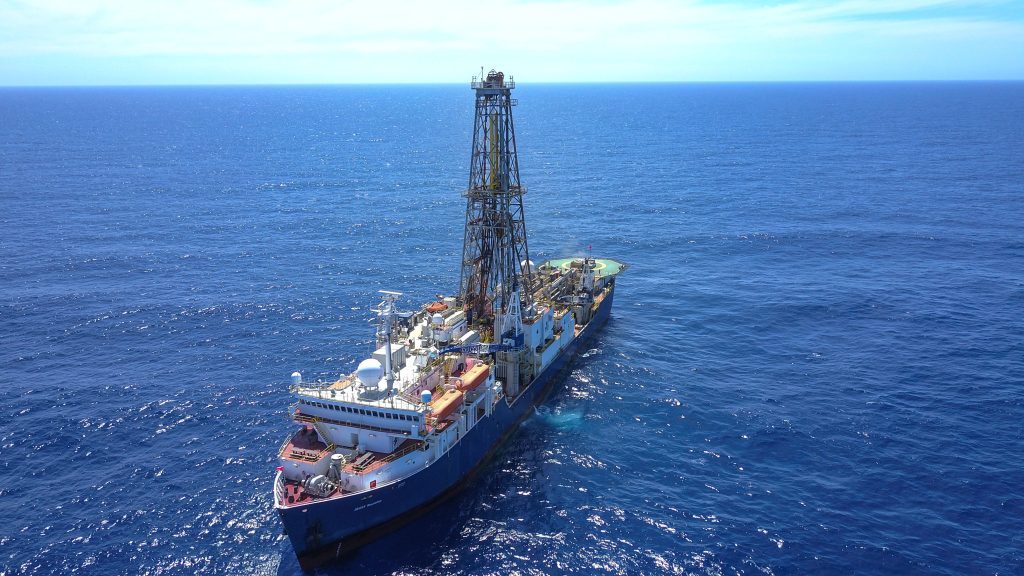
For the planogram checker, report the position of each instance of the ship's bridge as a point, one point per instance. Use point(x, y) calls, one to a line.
point(346, 400)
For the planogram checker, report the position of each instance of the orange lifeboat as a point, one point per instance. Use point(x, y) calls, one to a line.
point(445, 405)
point(474, 377)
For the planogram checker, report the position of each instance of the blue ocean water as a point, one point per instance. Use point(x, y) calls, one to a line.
point(814, 365)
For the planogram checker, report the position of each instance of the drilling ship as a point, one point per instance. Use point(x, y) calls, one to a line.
point(449, 382)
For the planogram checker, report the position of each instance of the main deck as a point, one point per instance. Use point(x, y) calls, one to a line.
point(306, 447)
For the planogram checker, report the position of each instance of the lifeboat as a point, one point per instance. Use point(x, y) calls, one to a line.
point(445, 405)
point(474, 377)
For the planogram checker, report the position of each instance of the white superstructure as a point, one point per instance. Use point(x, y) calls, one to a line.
point(431, 379)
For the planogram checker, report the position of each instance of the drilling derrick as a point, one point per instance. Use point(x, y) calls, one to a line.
point(494, 246)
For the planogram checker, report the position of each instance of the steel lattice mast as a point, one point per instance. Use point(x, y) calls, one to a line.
point(494, 246)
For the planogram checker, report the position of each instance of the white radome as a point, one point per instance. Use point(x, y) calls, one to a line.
point(370, 372)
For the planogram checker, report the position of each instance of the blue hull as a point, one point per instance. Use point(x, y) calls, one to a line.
point(324, 530)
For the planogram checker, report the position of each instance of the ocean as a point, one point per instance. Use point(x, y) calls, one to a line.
point(814, 364)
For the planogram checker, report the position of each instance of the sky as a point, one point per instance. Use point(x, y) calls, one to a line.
point(140, 42)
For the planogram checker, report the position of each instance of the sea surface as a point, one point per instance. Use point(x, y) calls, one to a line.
point(815, 364)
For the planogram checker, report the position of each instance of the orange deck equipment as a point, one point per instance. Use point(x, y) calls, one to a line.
point(474, 377)
point(445, 405)
point(436, 307)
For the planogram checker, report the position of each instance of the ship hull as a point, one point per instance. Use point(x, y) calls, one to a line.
point(326, 529)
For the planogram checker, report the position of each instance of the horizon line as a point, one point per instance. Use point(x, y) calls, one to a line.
point(531, 83)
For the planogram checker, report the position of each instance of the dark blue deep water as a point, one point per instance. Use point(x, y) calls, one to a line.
point(814, 365)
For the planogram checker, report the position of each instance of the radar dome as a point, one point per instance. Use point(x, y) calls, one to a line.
point(370, 372)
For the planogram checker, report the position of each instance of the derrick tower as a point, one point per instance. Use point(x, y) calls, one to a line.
point(494, 246)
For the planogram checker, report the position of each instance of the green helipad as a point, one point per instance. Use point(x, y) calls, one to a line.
point(602, 266)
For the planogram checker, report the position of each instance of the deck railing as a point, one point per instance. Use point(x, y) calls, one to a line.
point(300, 416)
point(388, 458)
point(407, 450)
point(320, 386)
point(284, 445)
point(279, 488)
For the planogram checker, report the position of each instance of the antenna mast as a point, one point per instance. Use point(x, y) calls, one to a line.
point(387, 312)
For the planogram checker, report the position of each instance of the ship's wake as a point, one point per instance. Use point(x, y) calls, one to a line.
point(559, 418)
